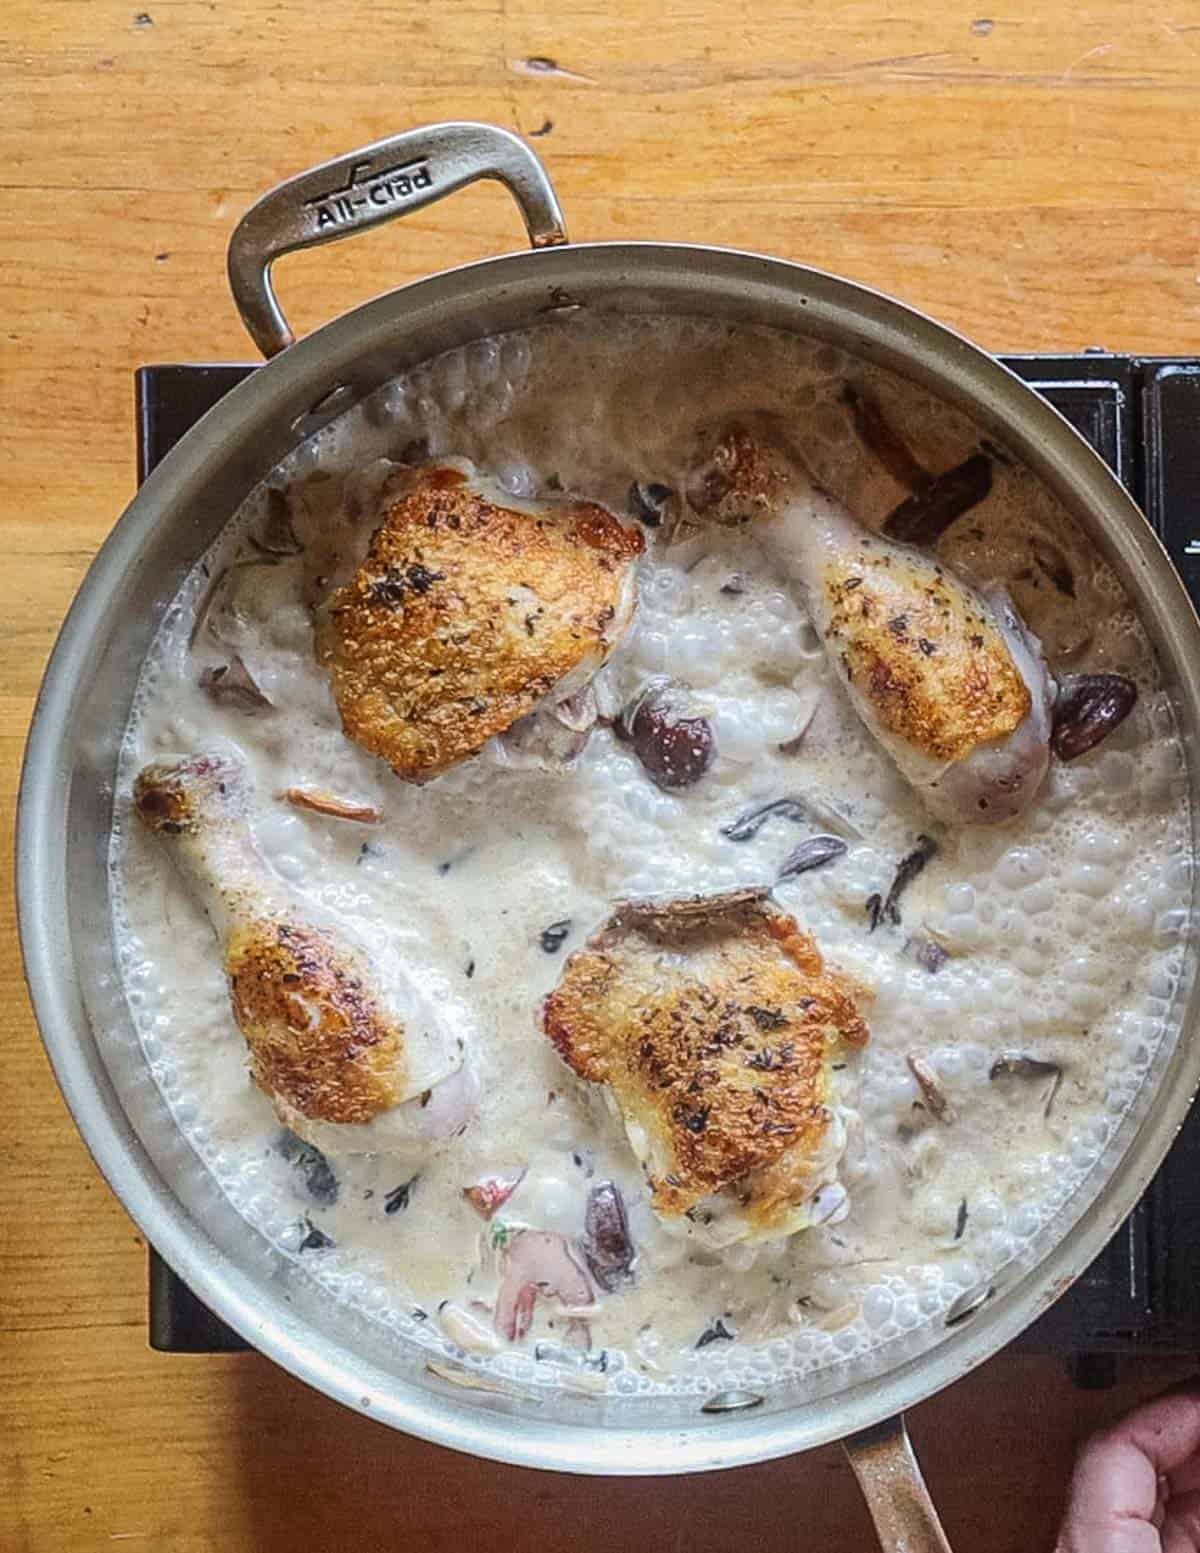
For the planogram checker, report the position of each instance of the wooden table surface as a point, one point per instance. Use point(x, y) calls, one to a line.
point(1028, 175)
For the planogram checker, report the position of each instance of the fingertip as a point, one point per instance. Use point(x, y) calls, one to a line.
point(1165, 1430)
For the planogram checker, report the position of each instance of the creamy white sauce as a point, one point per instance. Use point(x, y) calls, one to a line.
point(1065, 929)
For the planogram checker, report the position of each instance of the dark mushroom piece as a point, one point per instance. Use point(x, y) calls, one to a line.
point(923, 517)
point(816, 852)
point(936, 501)
point(674, 743)
point(1088, 708)
point(888, 909)
point(314, 1239)
point(1020, 1065)
point(552, 938)
point(607, 1247)
point(313, 1168)
point(751, 821)
point(651, 502)
point(800, 811)
point(882, 439)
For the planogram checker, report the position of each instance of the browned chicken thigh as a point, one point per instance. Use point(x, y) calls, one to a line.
point(471, 610)
point(714, 1024)
point(328, 1044)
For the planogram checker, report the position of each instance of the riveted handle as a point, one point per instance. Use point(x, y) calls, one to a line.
point(372, 185)
point(888, 1474)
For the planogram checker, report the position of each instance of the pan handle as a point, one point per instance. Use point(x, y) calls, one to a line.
point(891, 1481)
point(366, 187)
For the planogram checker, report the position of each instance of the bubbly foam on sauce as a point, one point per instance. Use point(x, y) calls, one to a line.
point(1059, 936)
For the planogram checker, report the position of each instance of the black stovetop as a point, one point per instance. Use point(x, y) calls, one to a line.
point(1143, 416)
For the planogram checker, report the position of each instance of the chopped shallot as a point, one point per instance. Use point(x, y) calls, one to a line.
point(931, 1091)
point(465, 1329)
point(492, 1192)
point(321, 802)
point(577, 712)
point(537, 1262)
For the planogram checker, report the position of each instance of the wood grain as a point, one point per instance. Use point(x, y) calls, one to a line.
point(1029, 178)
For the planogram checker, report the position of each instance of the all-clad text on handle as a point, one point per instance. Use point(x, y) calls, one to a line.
point(371, 185)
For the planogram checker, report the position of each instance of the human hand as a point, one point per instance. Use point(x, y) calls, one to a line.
point(1136, 1485)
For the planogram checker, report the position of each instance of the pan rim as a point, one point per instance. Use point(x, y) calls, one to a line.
point(124, 1160)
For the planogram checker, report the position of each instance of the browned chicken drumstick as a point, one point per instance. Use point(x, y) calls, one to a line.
point(471, 610)
point(945, 676)
point(715, 1026)
point(329, 1045)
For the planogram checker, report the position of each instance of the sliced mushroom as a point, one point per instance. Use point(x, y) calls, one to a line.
point(475, 1380)
point(800, 811)
point(231, 684)
point(206, 609)
point(816, 852)
point(922, 518)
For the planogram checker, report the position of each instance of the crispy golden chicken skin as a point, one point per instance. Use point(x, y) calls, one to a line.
point(714, 1024)
point(921, 650)
point(470, 610)
point(326, 1043)
point(317, 1034)
point(743, 473)
point(945, 676)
